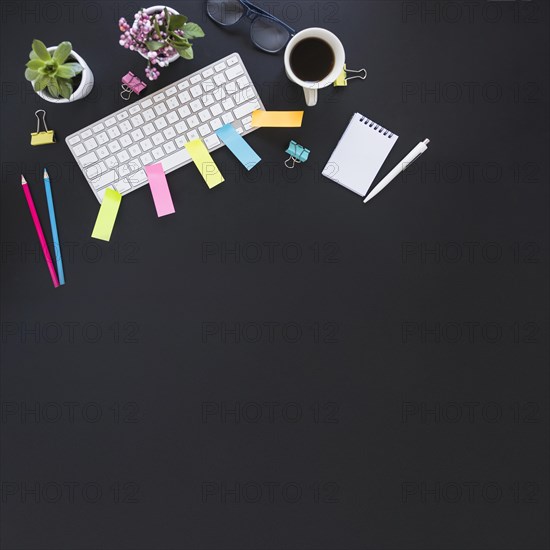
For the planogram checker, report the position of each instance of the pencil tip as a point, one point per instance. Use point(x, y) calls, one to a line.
point(23, 180)
point(46, 174)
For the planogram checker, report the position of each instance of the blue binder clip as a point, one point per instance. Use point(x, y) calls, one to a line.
point(298, 154)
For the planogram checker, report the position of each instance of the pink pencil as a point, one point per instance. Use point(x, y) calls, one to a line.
point(39, 231)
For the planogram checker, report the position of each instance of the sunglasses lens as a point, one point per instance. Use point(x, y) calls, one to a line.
point(268, 35)
point(225, 12)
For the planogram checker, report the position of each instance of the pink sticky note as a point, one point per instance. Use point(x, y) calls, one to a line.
point(160, 190)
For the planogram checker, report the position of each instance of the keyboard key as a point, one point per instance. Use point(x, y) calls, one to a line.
point(146, 144)
point(158, 153)
point(244, 95)
point(196, 105)
point(122, 185)
point(122, 115)
point(134, 150)
point(243, 82)
point(96, 170)
point(88, 159)
point(183, 85)
point(73, 140)
point(208, 99)
point(247, 125)
point(208, 72)
point(231, 88)
point(111, 162)
point(175, 159)
point(196, 91)
point(232, 60)
point(137, 135)
point(136, 108)
point(219, 94)
point(172, 117)
point(137, 121)
point(239, 130)
point(169, 133)
point(234, 72)
point(216, 109)
point(158, 139)
point(106, 178)
point(228, 118)
point(114, 146)
point(149, 129)
point(123, 156)
point(149, 115)
point(171, 91)
point(193, 134)
point(125, 126)
point(146, 103)
point(180, 141)
point(159, 97)
point(169, 147)
point(98, 127)
point(184, 111)
point(216, 124)
point(125, 169)
point(172, 103)
point(208, 85)
point(146, 159)
point(102, 152)
point(110, 121)
point(211, 141)
point(90, 144)
point(228, 104)
point(184, 97)
point(193, 121)
point(195, 78)
point(246, 109)
point(86, 134)
point(247, 120)
point(113, 132)
point(160, 109)
point(79, 149)
point(219, 79)
point(161, 123)
point(125, 140)
point(180, 127)
point(220, 66)
point(138, 178)
point(205, 130)
point(205, 115)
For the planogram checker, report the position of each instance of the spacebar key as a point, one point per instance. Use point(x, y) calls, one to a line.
point(175, 160)
point(245, 109)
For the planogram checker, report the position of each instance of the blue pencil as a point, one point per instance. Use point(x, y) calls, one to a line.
point(55, 236)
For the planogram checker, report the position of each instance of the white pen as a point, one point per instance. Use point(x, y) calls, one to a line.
point(401, 167)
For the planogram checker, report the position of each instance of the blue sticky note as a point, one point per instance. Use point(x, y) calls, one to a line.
point(238, 146)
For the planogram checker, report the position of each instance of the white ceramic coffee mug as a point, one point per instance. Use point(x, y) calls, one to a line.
point(311, 88)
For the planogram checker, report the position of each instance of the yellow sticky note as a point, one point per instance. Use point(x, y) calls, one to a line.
point(107, 215)
point(341, 80)
point(277, 119)
point(204, 162)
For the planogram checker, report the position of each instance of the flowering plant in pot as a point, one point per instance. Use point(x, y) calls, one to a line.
point(161, 35)
point(58, 74)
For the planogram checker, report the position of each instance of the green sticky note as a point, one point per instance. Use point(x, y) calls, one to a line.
point(107, 215)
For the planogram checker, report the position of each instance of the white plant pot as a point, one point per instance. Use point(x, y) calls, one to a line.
point(86, 82)
point(158, 9)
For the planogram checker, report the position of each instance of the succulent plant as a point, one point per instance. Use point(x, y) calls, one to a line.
point(52, 71)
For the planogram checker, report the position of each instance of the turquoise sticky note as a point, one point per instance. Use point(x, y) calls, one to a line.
point(238, 146)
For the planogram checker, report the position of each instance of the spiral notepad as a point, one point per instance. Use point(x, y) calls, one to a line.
point(360, 154)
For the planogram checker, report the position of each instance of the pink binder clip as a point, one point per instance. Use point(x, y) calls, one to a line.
point(131, 84)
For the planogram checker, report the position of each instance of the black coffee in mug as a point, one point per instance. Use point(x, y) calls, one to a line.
point(312, 59)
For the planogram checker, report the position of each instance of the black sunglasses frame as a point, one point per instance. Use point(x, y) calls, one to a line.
point(253, 13)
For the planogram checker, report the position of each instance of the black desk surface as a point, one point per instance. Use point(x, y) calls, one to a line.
point(277, 365)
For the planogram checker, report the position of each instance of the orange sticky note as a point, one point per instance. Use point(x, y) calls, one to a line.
point(277, 119)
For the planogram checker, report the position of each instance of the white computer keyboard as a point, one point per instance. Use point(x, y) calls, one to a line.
point(113, 151)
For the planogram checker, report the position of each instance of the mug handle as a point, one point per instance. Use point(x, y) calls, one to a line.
point(311, 96)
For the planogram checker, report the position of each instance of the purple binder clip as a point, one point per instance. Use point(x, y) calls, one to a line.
point(131, 84)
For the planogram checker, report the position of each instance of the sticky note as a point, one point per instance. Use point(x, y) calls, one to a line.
point(159, 189)
point(107, 215)
point(277, 119)
point(204, 162)
point(342, 78)
point(238, 146)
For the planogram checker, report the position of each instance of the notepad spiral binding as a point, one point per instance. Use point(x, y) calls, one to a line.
point(371, 124)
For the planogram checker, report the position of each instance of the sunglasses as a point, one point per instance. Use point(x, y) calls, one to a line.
point(266, 31)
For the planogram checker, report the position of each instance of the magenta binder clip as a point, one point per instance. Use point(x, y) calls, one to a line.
point(131, 84)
